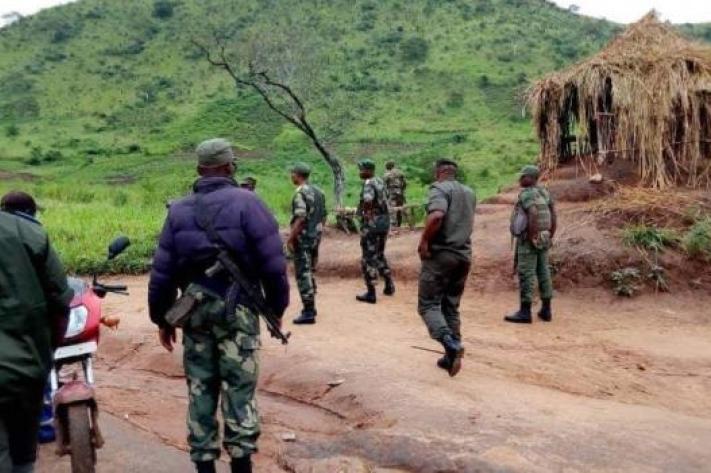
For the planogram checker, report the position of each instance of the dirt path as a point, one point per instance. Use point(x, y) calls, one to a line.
point(609, 386)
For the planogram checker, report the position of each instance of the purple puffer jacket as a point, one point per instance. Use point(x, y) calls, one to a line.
point(185, 252)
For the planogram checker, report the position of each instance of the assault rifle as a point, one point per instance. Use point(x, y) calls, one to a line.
point(226, 263)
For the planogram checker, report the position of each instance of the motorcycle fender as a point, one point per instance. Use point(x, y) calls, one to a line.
point(73, 392)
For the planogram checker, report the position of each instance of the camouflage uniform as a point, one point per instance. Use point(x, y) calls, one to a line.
point(396, 184)
point(221, 361)
point(305, 204)
point(532, 259)
point(374, 232)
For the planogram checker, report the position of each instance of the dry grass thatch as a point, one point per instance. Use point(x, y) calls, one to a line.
point(646, 98)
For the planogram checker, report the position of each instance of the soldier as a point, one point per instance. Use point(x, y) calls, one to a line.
point(249, 183)
point(219, 344)
point(396, 184)
point(374, 227)
point(533, 224)
point(446, 251)
point(34, 304)
point(307, 209)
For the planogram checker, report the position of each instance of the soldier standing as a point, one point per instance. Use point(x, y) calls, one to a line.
point(221, 335)
point(374, 227)
point(446, 251)
point(307, 209)
point(396, 184)
point(533, 224)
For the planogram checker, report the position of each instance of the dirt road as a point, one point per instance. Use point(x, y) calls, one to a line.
point(610, 386)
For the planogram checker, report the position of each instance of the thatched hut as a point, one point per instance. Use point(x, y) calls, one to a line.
point(644, 99)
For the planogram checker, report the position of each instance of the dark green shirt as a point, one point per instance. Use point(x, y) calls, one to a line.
point(33, 288)
point(458, 202)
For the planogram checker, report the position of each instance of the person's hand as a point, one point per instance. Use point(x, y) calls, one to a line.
point(424, 250)
point(167, 337)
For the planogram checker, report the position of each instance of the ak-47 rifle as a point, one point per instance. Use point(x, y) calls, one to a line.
point(226, 263)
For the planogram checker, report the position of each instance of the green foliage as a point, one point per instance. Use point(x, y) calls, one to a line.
point(163, 9)
point(12, 131)
point(697, 241)
point(415, 49)
point(649, 238)
point(626, 281)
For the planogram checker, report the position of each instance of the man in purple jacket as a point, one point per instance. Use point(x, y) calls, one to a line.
point(219, 345)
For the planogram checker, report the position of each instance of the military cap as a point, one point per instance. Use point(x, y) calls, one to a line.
point(390, 164)
point(366, 164)
point(530, 170)
point(302, 169)
point(446, 162)
point(215, 152)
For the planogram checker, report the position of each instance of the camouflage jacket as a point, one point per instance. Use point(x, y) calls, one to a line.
point(309, 203)
point(395, 182)
point(379, 219)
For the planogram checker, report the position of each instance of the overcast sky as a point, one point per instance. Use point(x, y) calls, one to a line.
point(623, 11)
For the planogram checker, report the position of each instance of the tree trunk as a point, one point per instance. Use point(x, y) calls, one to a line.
point(339, 178)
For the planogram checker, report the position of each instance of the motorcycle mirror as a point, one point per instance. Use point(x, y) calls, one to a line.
point(118, 246)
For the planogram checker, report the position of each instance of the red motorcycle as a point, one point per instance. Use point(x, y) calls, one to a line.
point(76, 412)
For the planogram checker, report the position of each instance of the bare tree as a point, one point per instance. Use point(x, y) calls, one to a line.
point(269, 76)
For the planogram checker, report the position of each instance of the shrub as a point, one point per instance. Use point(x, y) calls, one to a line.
point(455, 100)
point(625, 281)
point(649, 238)
point(163, 9)
point(52, 156)
point(415, 49)
point(12, 131)
point(697, 241)
point(483, 81)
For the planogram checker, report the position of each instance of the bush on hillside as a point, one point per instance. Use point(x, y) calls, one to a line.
point(12, 131)
point(163, 9)
point(649, 238)
point(415, 49)
point(697, 241)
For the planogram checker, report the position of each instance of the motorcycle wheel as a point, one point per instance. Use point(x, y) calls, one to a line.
point(83, 454)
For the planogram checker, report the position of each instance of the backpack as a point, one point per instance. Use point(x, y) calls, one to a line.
point(519, 217)
point(320, 211)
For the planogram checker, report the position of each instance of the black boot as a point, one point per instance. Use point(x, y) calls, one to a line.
point(546, 313)
point(369, 296)
point(242, 465)
point(205, 467)
point(454, 351)
point(307, 316)
point(444, 363)
point(523, 316)
point(389, 289)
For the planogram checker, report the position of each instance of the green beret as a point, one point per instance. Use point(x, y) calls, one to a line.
point(446, 162)
point(366, 164)
point(531, 171)
point(302, 169)
point(215, 152)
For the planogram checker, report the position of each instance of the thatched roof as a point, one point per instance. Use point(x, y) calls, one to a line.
point(646, 97)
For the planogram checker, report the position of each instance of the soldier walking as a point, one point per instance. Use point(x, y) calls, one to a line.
point(446, 252)
point(307, 215)
point(374, 227)
point(395, 183)
point(221, 333)
point(533, 224)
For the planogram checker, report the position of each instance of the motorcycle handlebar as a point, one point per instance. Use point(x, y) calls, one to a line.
point(111, 288)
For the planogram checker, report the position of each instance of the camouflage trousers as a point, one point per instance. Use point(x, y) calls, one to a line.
point(533, 264)
point(396, 199)
point(442, 280)
point(373, 261)
point(221, 364)
point(305, 256)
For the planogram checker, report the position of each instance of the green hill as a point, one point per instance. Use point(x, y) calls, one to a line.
point(101, 102)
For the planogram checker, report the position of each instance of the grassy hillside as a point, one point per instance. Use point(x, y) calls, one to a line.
point(101, 102)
